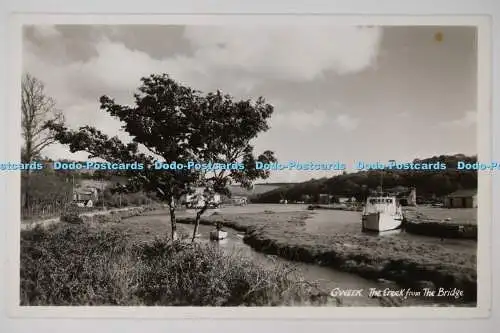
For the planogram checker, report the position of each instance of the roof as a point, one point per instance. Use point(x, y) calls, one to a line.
point(81, 191)
point(462, 193)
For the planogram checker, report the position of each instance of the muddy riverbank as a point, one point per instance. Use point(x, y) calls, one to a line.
point(152, 225)
point(409, 263)
point(328, 246)
point(442, 223)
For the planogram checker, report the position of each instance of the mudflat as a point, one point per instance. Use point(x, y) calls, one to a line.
point(409, 262)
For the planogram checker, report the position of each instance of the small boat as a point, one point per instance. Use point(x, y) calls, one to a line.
point(218, 234)
point(382, 213)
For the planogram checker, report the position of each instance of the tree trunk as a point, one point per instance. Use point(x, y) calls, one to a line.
point(28, 156)
point(197, 221)
point(173, 221)
point(27, 189)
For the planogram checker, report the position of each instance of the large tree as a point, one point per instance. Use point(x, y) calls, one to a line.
point(176, 123)
point(37, 108)
point(228, 129)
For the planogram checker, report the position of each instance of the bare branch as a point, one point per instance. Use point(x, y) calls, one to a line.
point(36, 109)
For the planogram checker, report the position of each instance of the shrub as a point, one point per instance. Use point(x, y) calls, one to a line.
point(85, 265)
point(74, 265)
point(194, 274)
point(71, 215)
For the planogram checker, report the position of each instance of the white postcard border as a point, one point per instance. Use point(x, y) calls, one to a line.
point(484, 139)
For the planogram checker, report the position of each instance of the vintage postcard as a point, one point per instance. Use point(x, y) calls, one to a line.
point(250, 166)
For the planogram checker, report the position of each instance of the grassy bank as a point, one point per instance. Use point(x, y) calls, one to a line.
point(409, 263)
point(443, 223)
point(92, 264)
point(335, 207)
point(76, 216)
point(442, 230)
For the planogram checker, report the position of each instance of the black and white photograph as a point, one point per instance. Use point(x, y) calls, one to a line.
point(231, 165)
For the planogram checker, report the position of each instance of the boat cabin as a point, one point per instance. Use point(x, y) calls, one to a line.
point(382, 203)
point(374, 201)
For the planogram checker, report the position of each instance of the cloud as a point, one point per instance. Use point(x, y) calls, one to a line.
point(233, 59)
point(228, 58)
point(347, 122)
point(299, 120)
point(404, 114)
point(291, 53)
point(46, 31)
point(469, 119)
point(305, 121)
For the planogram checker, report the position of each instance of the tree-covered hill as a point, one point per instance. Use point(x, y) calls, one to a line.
point(429, 183)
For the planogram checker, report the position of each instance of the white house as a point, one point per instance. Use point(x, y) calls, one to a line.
point(239, 200)
point(197, 199)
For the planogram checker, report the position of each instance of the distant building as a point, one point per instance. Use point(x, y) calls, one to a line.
point(407, 196)
point(85, 197)
point(461, 199)
point(324, 198)
point(345, 200)
point(92, 183)
point(411, 200)
point(240, 200)
point(197, 199)
point(305, 198)
point(85, 194)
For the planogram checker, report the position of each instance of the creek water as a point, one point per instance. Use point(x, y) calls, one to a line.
point(327, 279)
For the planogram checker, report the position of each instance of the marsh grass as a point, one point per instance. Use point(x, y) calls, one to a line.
point(84, 264)
point(409, 263)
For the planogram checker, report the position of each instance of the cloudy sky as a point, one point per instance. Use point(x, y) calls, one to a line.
point(340, 93)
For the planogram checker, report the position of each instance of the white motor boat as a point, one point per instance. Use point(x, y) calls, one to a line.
point(218, 234)
point(382, 213)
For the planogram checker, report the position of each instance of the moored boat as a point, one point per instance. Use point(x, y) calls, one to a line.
point(382, 213)
point(218, 234)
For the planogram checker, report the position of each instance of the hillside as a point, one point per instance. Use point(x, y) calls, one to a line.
point(258, 189)
point(359, 184)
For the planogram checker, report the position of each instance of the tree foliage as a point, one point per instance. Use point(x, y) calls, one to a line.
point(47, 186)
point(359, 184)
point(173, 122)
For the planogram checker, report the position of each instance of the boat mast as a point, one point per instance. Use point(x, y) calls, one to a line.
point(381, 182)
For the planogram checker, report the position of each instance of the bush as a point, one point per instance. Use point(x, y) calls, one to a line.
point(124, 200)
point(72, 265)
point(201, 275)
point(71, 215)
point(85, 265)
